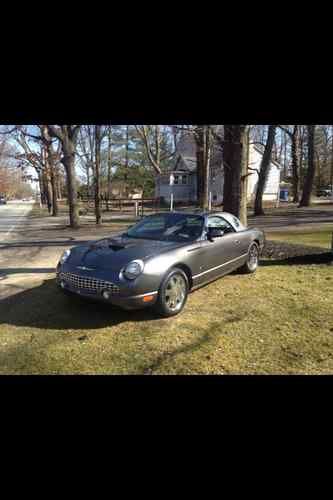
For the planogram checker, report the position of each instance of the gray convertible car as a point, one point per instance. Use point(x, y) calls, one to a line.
point(159, 260)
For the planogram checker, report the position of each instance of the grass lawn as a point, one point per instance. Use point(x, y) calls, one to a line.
point(321, 237)
point(278, 321)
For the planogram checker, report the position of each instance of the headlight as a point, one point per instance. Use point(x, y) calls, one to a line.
point(64, 256)
point(133, 269)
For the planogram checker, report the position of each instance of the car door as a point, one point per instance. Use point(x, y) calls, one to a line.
point(220, 255)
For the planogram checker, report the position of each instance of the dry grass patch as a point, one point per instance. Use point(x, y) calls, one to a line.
point(321, 237)
point(277, 321)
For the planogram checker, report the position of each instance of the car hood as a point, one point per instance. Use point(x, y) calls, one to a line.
point(115, 253)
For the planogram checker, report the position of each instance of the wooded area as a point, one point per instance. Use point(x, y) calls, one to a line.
point(110, 161)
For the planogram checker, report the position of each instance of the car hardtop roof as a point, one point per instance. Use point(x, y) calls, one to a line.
point(230, 218)
point(198, 211)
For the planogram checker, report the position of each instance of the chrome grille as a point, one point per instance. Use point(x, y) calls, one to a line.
point(87, 283)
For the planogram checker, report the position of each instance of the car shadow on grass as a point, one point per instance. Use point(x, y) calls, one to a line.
point(43, 243)
point(6, 271)
point(46, 307)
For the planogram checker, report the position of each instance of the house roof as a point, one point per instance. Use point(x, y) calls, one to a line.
point(187, 163)
point(186, 160)
point(260, 149)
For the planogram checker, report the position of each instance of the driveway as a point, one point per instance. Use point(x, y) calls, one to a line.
point(30, 246)
point(12, 217)
point(293, 219)
point(20, 267)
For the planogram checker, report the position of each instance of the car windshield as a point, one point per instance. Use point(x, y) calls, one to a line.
point(168, 227)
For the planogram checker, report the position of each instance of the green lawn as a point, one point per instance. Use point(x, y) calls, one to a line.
point(321, 237)
point(279, 321)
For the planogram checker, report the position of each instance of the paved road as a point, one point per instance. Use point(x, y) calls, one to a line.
point(13, 217)
point(295, 220)
point(17, 268)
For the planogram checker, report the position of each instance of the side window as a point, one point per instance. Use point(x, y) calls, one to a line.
point(236, 221)
point(220, 223)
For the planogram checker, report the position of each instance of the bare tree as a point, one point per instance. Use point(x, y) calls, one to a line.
point(296, 158)
point(154, 140)
point(109, 160)
point(309, 178)
point(85, 153)
point(151, 137)
point(203, 138)
point(244, 175)
point(67, 135)
point(331, 170)
point(45, 162)
point(51, 159)
point(233, 151)
point(97, 169)
point(37, 158)
point(264, 171)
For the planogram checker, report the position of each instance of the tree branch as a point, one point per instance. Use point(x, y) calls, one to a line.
point(56, 132)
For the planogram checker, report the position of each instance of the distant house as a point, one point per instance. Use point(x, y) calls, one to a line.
point(136, 194)
point(272, 188)
point(185, 177)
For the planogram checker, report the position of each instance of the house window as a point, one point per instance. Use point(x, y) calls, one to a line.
point(180, 179)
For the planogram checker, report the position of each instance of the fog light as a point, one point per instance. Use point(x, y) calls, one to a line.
point(106, 295)
point(62, 284)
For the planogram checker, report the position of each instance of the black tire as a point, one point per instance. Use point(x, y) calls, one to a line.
point(168, 305)
point(252, 261)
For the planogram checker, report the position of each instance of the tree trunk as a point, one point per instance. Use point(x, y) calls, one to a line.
point(203, 145)
point(126, 161)
point(97, 173)
point(68, 161)
point(51, 165)
point(67, 135)
point(232, 159)
point(264, 171)
point(47, 183)
point(244, 176)
point(88, 178)
point(308, 182)
point(59, 185)
point(199, 157)
point(295, 163)
point(109, 162)
point(285, 163)
point(331, 173)
point(207, 156)
point(40, 186)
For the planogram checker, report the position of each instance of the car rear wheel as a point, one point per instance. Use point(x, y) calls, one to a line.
point(173, 293)
point(252, 260)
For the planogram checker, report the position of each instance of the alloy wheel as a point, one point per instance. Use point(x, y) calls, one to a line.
point(175, 292)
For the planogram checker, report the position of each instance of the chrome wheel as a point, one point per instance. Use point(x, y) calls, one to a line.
point(175, 292)
point(253, 258)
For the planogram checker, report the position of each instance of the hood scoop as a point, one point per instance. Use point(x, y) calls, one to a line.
point(115, 247)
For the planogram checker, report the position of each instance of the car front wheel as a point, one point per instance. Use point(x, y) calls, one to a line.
point(173, 293)
point(252, 260)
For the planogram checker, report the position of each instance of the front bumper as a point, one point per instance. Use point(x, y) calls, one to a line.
point(121, 297)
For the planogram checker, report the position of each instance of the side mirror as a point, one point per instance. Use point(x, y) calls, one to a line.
point(214, 233)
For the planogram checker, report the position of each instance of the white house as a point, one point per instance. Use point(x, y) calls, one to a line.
point(184, 174)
